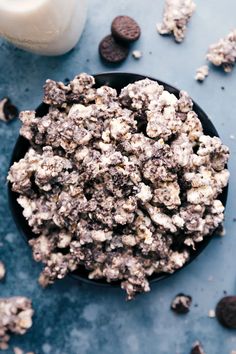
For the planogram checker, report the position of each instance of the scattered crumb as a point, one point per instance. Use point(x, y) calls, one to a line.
point(197, 348)
point(150, 53)
point(2, 270)
point(195, 305)
point(7, 110)
point(232, 136)
point(222, 87)
point(234, 219)
point(225, 292)
point(211, 313)
point(202, 73)
point(181, 303)
point(137, 54)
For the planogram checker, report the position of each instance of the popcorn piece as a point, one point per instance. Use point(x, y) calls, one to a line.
point(114, 183)
point(177, 14)
point(15, 317)
point(202, 73)
point(223, 53)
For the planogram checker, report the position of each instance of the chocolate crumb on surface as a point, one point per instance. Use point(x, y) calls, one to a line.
point(7, 110)
point(15, 317)
point(181, 303)
point(176, 16)
point(226, 311)
point(109, 188)
point(2, 271)
point(202, 73)
point(197, 348)
point(223, 53)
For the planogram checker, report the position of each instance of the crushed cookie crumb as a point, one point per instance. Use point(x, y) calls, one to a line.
point(111, 181)
point(177, 14)
point(7, 110)
point(202, 73)
point(181, 303)
point(197, 348)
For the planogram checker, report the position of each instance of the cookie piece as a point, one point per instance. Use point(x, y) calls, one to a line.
point(226, 311)
point(125, 28)
point(181, 303)
point(112, 51)
point(197, 348)
point(7, 110)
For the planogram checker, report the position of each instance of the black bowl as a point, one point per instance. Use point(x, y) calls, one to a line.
point(118, 81)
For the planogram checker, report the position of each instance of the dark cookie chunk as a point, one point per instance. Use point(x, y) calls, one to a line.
point(125, 28)
point(181, 303)
point(226, 311)
point(197, 348)
point(7, 110)
point(112, 51)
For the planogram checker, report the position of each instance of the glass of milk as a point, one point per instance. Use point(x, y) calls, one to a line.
point(47, 27)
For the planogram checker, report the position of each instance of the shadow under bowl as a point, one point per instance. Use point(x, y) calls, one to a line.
point(117, 80)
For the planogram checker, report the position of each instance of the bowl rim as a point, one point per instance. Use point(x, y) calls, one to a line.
point(15, 207)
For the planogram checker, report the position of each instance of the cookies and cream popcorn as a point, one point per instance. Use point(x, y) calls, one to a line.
point(202, 73)
point(121, 184)
point(176, 16)
point(15, 317)
point(223, 53)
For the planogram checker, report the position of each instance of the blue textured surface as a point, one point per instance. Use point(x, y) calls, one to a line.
point(74, 318)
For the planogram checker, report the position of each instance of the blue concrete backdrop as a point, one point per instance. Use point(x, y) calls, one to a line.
point(74, 318)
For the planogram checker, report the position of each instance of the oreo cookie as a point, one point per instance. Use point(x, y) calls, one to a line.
point(126, 29)
point(112, 51)
point(226, 311)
